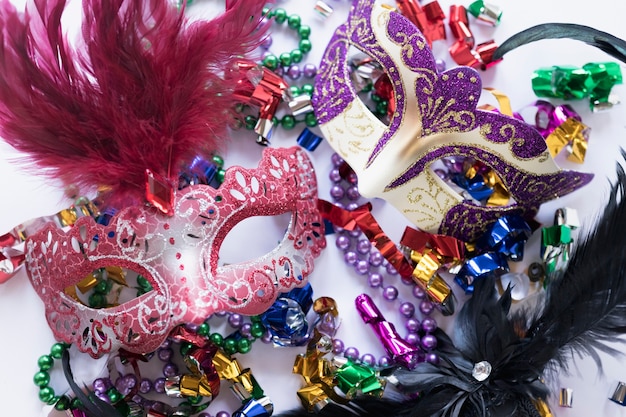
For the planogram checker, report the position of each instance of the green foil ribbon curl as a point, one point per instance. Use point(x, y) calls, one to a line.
point(353, 378)
point(556, 242)
point(592, 80)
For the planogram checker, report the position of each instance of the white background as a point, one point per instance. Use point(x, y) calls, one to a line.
point(25, 195)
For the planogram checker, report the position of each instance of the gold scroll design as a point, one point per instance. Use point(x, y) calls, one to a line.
point(355, 125)
point(431, 203)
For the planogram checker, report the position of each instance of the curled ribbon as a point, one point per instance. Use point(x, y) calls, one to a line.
point(562, 127)
point(593, 80)
point(362, 217)
point(430, 252)
point(428, 18)
point(317, 372)
point(263, 89)
point(464, 51)
point(203, 379)
point(12, 255)
point(556, 242)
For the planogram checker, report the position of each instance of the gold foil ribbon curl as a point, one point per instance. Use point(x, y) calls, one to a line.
point(570, 134)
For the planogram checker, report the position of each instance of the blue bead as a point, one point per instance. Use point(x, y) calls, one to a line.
point(309, 140)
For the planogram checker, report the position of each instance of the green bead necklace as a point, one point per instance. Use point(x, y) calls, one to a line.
point(42, 379)
point(294, 22)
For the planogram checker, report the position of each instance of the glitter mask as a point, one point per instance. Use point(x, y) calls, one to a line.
point(178, 255)
point(435, 117)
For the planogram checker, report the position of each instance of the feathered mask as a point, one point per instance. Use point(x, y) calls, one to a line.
point(144, 95)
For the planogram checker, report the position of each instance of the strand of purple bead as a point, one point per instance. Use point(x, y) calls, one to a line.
point(367, 261)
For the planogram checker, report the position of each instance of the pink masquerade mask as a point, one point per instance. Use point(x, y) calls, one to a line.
point(178, 255)
point(435, 117)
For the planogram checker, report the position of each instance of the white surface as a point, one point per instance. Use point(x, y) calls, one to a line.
point(23, 327)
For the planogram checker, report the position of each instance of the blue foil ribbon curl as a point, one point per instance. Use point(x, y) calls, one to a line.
point(506, 236)
point(475, 186)
point(286, 318)
point(255, 408)
point(309, 140)
point(479, 267)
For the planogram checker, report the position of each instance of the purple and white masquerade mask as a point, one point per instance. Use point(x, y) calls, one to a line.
point(435, 117)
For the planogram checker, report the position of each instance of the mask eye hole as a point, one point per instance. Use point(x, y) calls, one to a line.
point(253, 238)
point(372, 85)
point(473, 180)
point(109, 287)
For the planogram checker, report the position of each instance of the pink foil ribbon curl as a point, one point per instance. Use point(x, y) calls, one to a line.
point(398, 349)
point(562, 127)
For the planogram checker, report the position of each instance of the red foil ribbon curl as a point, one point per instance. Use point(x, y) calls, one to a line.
point(464, 51)
point(260, 87)
point(448, 247)
point(428, 19)
point(363, 218)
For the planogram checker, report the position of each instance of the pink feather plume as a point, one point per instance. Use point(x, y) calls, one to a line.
point(142, 89)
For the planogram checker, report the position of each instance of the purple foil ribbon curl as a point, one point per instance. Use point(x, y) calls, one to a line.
point(549, 116)
point(399, 350)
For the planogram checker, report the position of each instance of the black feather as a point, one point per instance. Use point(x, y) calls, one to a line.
point(606, 42)
point(90, 403)
point(582, 312)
